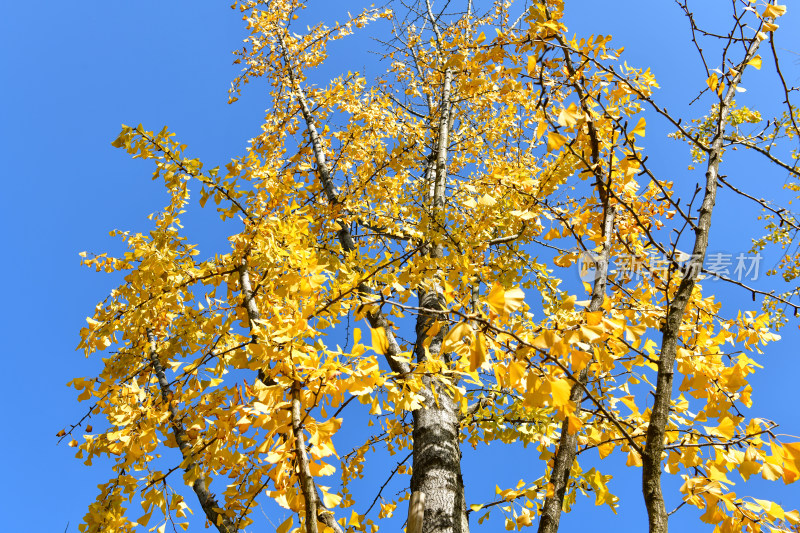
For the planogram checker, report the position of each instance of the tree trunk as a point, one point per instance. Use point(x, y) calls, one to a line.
point(323, 514)
point(568, 442)
point(659, 415)
point(303, 471)
point(437, 457)
point(437, 461)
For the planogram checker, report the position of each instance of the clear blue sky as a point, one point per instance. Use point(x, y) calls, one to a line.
point(72, 72)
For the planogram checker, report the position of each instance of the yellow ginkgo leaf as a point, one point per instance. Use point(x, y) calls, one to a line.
point(791, 462)
point(639, 129)
point(573, 424)
point(772, 509)
point(773, 11)
point(555, 141)
point(496, 298)
point(514, 298)
point(379, 341)
point(478, 354)
point(579, 360)
point(531, 68)
point(516, 371)
point(771, 472)
point(559, 390)
point(591, 333)
point(541, 343)
point(144, 519)
point(504, 302)
point(748, 468)
point(755, 62)
point(569, 302)
point(487, 200)
point(634, 459)
point(540, 129)
point(713, 81)
point(552, 234)
point(726, 428)
point(456, 336)
point(286, 525)
point(569, 116)
point(330, 500)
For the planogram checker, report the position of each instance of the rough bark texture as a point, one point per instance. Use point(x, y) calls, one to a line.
point(437, 462)
point(568, 442)
point(659, 416)
point(200, 485)
point(304, 472)
point(437, 457)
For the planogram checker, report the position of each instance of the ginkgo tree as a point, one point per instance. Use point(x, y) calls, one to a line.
point(440, 207)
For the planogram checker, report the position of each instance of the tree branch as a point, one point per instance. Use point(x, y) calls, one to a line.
point(213, 510)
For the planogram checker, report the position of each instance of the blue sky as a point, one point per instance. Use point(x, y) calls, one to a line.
point(73, 72)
